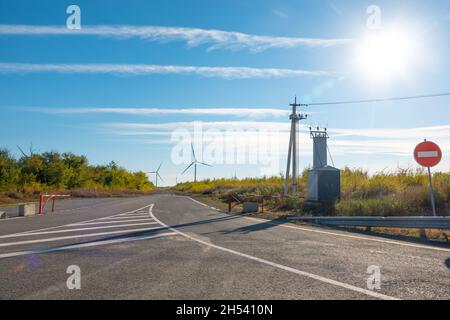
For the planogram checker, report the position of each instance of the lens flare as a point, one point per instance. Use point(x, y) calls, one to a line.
point(385, 55)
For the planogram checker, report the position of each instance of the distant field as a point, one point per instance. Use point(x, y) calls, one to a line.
point(403, 192)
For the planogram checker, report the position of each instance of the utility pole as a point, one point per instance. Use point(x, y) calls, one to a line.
point(293, 152)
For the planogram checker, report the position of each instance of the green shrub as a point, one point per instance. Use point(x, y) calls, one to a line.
point(52, 171)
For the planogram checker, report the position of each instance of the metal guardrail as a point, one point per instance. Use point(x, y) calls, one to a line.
point(387, 222)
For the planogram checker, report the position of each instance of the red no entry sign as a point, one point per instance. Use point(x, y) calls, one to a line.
point(428, 154)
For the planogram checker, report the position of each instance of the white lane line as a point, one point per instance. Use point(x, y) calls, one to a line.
point(279, 266)
point(84, 245)
point(65, 225)
point(78, 229)
point(123, 217)
point(419, 246)
point(203, 204)
point(131, 216)
point(59, 211)
point(107, 222)
point(290, 226)
point(134, 213)
point(8, 244)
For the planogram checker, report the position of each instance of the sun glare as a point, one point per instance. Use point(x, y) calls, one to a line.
point(387, 54)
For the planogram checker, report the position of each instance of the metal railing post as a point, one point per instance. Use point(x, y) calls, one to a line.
point(262, 204)
point(41, 203)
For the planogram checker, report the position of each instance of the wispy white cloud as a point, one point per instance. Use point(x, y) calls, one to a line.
point(215, 39)
point(240, 112)
point(148, 69)
point(205, 125)
point(335, 8)
point(343, 142)
point(280, 13)
point(396, 133)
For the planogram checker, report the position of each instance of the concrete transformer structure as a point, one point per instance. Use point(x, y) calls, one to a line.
point(324, 181)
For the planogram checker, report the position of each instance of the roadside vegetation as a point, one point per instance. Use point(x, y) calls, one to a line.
point(26, 177)
point(403, 192)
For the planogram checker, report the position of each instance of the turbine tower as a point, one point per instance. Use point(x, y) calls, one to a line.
point(194, 163)
point(157, 175)
point(293, 152)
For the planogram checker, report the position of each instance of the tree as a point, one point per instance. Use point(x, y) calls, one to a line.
point(55, 171)
point(9, 170)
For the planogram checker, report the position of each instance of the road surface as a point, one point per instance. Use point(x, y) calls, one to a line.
point(173, 247)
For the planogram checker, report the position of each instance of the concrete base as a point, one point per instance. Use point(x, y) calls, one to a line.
point(27, 210)
point(250, 207)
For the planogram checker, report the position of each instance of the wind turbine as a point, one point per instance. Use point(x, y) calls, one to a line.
point(157, 175)
point(194, 163)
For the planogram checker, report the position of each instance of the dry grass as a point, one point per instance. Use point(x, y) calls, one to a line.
point(404, 192)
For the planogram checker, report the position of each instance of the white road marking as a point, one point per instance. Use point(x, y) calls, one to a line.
point(69, 224)
point(124, 217)
point(132, 214)
point(84, 245)
point(107, 222)
point(290, 226)
point(8, 244)
point(201, 203)
point(78, 229)
point(59, 211)
point(279, 266)
point(353, 236)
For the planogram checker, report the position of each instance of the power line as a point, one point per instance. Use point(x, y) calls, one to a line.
point(380, 100)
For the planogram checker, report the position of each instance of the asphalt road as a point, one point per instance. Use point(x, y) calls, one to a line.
point(172, 247)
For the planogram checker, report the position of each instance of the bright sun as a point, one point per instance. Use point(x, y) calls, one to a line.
point(384, 55)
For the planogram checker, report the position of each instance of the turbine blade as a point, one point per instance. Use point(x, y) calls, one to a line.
point(159, 167)
point(160, 177)
point(205, 164)
point(188, 167)
point(21, 151)
point(193, 152)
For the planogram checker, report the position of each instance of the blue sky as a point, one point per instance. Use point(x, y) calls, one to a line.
point(61, 90)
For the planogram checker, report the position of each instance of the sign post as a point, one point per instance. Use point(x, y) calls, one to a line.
point(433, 203)
point(428, 154)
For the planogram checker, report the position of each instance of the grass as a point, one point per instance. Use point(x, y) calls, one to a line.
point(403, 192)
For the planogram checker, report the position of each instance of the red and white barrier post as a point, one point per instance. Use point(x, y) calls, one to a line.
point(44, 198)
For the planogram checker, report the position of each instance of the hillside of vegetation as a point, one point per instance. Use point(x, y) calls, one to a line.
point(404, 192)
point(26, 177)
